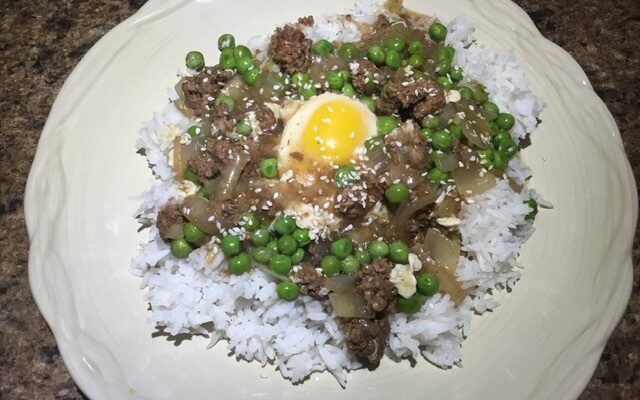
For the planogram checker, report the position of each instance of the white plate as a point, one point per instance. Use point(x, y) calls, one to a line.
point(542, 343)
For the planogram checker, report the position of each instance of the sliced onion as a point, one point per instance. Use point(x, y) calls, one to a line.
point(229, 178)
point(176, 231)
point(405, 212)
point(350, 305)
point(376, 155)
point(341, 284)
point(182, 153)
point(473, 180)
point(477, 131)
point(199, 211)
point(269, 272)
point(447, 162)
point(448, 207)
point(446, 116)
point(179, 103)
point(440, 248)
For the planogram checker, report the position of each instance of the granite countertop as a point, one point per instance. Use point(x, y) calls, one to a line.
point(41, 42)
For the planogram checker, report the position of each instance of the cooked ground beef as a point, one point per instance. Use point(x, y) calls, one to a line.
point(381, 22)
point(310, 281)
point(387, 105)
point(290, 49)
point(167, 217)
point(373, 282)
point(407, 147)
point(266, 119)
point(308, 20)
point(355, 200)
point(204, 165)
point(223, 119)
point(432, 105)
point(201, 89)
point(366, 77)
point(366, 339)
point(230, 211)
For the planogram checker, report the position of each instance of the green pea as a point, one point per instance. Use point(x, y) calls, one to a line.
point(180, 248)
point(491, 110)
point(299, 79)
point(363, 256)
point(301, 236)
point(348, 51)
point(194, 60)
point(399, 252)
point(495, 129)
point(393, 59)
point(260, 237)
point(426, 133)
point(287, 245)
point(445, 81)
point(262, 255)
point(500, 161)
point(194, 131)
point(505, 121)
point(465, 92)
point(344, 175)
point(287, 290)
point(378, 249)
point(297, 256)
point(207, 189)
point(323, 47)
point(243, 127)
point(226, 41)
point(226, 100)
point(307, 91)
point(330, 265)
point(350, 265)
point(508, 147)
point(397, 193)
point(341, 248)
point(416, 61)
point(348, 90)
point(427, 284)
point(273, 246)
point(192, 233)
point(376, 54)
point(346, 74)
point(455, 131)
point(443, 67)
point(456, 74)
point(485, 157)
point(285, 82)
point(269, 168)
point(442, 140)
point(227, 59)
point(191, 176)
point(386, 124)
point(230, 245)
point(335, 80)
point(409, 306)
point(395, 43)
point(501, 137)
point(430, 121)
point(416, 48)
point(244, 64)
point(242, 52)
point(437, 32)
point(239, 264)
point(280, 264)
point(251, 76)
point(533, 204)
point(369, 102)
point(480, 94)
point(284, 224)
point(437, 175)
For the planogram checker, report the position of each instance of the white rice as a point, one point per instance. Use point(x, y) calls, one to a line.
point(301, 337)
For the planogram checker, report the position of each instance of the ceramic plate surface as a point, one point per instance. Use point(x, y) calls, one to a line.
point(543, 342)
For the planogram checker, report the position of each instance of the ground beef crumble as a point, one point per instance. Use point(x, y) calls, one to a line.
point(366, 77)
point(357, 199)
point(167, 217)
point(201, 89)
point(366, 339)
point(310, 281)
point(290, 49)
point(373, 282)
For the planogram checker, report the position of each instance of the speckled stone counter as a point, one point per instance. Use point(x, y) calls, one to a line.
point(41, 42)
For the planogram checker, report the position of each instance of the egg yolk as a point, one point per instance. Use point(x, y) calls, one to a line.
point(334, 131)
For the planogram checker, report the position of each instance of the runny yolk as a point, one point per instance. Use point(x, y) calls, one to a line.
point(333, 132)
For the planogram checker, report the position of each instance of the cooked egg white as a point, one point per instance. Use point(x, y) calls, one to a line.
point(326, 130)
